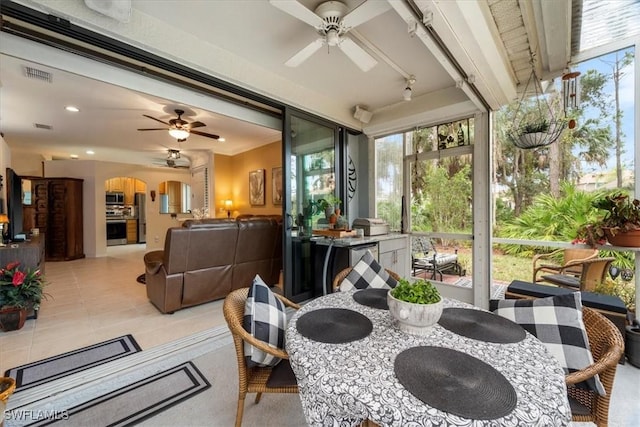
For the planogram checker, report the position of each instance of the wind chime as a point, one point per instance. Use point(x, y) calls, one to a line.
point(571, 94)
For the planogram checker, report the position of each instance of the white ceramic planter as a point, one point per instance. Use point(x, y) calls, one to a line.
point(414, 318)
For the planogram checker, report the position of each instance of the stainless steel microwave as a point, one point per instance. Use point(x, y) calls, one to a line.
point(115, 198)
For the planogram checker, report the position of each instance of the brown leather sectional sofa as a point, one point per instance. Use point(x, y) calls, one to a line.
point(206, 259)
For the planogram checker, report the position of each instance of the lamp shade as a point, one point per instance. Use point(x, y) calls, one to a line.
point(179, 133)
point(4, 218)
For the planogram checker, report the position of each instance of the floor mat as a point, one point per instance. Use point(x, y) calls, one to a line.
point(52, 368)
point(136, 402)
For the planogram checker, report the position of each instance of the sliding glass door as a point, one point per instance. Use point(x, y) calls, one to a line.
point(311, 163)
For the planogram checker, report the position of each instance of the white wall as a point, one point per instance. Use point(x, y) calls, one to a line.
point(94, 175)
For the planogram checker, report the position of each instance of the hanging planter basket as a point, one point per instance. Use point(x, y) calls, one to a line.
point(539, 127)
point(528, 138)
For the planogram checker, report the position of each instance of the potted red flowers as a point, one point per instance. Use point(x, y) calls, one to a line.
point(20, 290)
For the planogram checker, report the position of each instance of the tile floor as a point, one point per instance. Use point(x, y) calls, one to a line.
point(95, 299)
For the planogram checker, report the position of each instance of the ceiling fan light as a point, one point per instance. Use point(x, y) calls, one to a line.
point(332, 37)
point(406, 94)
point(179, 133)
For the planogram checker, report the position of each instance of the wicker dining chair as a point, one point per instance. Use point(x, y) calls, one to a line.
point(593, 272)
point(344, 273)
point(544, 264)
point(607, 347)
point(254, 379)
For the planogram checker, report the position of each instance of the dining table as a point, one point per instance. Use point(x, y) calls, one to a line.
point(472, 368)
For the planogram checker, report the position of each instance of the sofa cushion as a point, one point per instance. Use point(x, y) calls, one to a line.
point(265, 319)
point(589, 299)
point(367, 273)
point(557, 322)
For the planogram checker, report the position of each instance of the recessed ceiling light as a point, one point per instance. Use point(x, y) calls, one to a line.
point(221, 139)
point(72, 108)
point(91, 152)
point(74, 156)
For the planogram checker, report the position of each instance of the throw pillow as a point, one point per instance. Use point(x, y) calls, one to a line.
point(367, 273)
point(265, 319)
point(557, 322)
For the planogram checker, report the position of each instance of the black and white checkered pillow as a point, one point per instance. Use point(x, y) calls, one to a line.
point(557, 322)
point(367, 273)
point(265, 319)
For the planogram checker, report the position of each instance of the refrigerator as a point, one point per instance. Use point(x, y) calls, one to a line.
point(141, 209)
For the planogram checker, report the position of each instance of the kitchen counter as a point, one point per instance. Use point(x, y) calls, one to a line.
point(355, 241)
point(332, 255)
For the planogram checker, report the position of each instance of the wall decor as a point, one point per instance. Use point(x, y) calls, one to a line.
point(276, 186)
point(352, 179)
point(256, 187)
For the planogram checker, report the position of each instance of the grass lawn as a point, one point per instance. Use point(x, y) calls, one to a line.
point(506, 268)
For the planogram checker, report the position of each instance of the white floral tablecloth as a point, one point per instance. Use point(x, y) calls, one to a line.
point(344, 384)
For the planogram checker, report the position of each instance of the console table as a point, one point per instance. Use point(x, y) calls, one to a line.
point(29, 253)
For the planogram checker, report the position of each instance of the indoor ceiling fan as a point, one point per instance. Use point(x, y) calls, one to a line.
point(332, 22)
point(181, 129)
point(173, 160)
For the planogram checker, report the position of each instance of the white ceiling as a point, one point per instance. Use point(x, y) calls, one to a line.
point(245, 42)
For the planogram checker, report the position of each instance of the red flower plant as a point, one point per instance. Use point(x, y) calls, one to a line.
point(21, 288)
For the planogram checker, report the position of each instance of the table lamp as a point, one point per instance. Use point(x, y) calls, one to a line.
point(227, 205)
point(4, 219)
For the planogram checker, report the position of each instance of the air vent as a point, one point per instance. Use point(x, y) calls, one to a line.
point(34, 73)
point(42, 126)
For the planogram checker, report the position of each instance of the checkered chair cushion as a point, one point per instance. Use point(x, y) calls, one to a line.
point(557, 322)
point(266, 320)
point(367, 273)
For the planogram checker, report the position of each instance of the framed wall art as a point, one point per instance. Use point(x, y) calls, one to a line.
point(256, 187)
point(276, 184)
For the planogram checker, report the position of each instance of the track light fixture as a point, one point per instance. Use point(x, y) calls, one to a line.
point(408, 91)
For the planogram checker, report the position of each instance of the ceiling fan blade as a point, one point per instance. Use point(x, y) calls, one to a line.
point(358, 55)
point(208, 135)
point(305, 53)
point(366, 11)
point(196, 124)
point(157, 120)
point(154, 129)
point(299, 11)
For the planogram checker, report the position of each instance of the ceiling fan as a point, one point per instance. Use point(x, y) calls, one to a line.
point(173, 160)
point(181, 129)
point(332, 22)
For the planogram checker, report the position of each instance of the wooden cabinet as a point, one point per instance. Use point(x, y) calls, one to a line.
point(129, 185)
point(132, 231)
point(115, 184)
point(126, 185)
point(140, 186)
point(394, 255)
point(174, 190)
point(58, 215)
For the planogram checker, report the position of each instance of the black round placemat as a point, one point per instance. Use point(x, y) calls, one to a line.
point(376, 298)
point(455, 382)
point(481, 325)
point(334, 325)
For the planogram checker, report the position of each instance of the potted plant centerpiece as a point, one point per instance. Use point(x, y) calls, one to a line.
point(620, 224)
point(415, 306)
point(20, 290)
point(328, 205)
